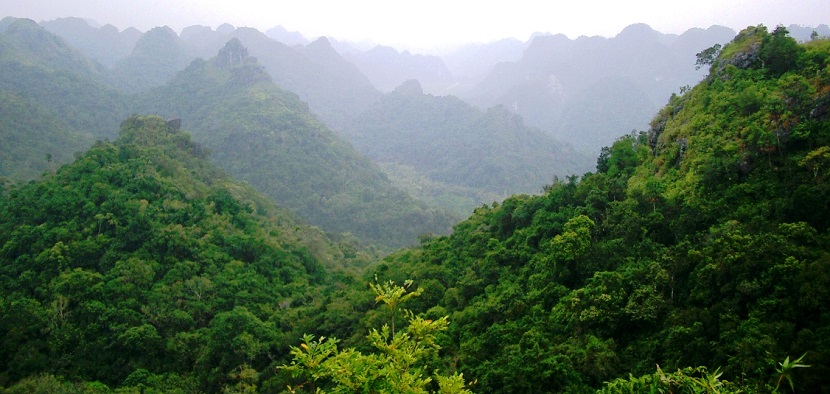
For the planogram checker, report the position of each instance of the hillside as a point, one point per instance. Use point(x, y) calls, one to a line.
point(266, 136)
point(703, 242)
point(155, 59)
point(142, 265)
point(55, 101)
point(489, 153)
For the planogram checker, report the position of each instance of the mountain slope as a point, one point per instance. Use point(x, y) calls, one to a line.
point(333, 88)
point(142, 265)
point(704, 242)
point(55, 101)
point(267, 136)
point(451, 142)
point(105, 44)
point(156, 57)
point(33, 140)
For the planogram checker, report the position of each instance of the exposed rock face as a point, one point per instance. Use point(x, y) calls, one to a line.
point(174, 124)
point(233, 53)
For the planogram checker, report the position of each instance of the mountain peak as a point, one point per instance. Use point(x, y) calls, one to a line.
point(286, 37)
point(638, 31)
point(322, 41)
point(410, 87)
point(232, 53)
point(225, 28)
point(322, 47)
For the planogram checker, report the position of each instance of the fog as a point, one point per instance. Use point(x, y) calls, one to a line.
point(431, 25)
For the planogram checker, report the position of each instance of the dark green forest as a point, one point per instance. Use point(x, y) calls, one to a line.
point(143, 264)
point(700, 243)
point(694, 259)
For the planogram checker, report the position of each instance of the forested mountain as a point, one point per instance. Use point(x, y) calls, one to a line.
point(106, 44)
point(479, 153)
point(333, 88)
point(143, 265)
point(703, 242)
point(591, 89)
point(156, 57)
point(27, 43)
point(268, 137)
point(53, 101)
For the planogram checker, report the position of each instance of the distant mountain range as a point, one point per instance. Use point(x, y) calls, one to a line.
point(590, 90)
point(57, 101)
point(461, 146)
point(284, 115)
point(266, 136)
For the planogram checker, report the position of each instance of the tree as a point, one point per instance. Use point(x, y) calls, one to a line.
point(779, 52)
point(707, 56)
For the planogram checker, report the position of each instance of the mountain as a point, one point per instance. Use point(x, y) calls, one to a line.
point(142, 265)
point(455, 144)
point(104, 44)
point(387, 69)
point(696, 254)
point(471, 63)
point(55, 101)
point(804, 33)
point(552, 86)
point(290, 38)
point(268, 137)
point(204, 41)
point(157, 56)
point(333, 88)
point(28, 43)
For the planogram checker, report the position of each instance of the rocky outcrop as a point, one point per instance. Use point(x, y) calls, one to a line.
point(232, 53)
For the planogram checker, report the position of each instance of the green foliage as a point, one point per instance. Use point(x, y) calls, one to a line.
point(707, 56)
point(688, 380)
point(398, 367)
point(779, 52)
point(142, 266)
point(699, 242)
point(786, 368)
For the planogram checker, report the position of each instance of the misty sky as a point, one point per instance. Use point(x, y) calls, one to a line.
point(431, 24)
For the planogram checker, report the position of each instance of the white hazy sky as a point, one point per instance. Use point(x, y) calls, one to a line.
point(424, 24)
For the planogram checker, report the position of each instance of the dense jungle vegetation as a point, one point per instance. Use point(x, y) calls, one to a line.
point(702, 242)
point(696, 258)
